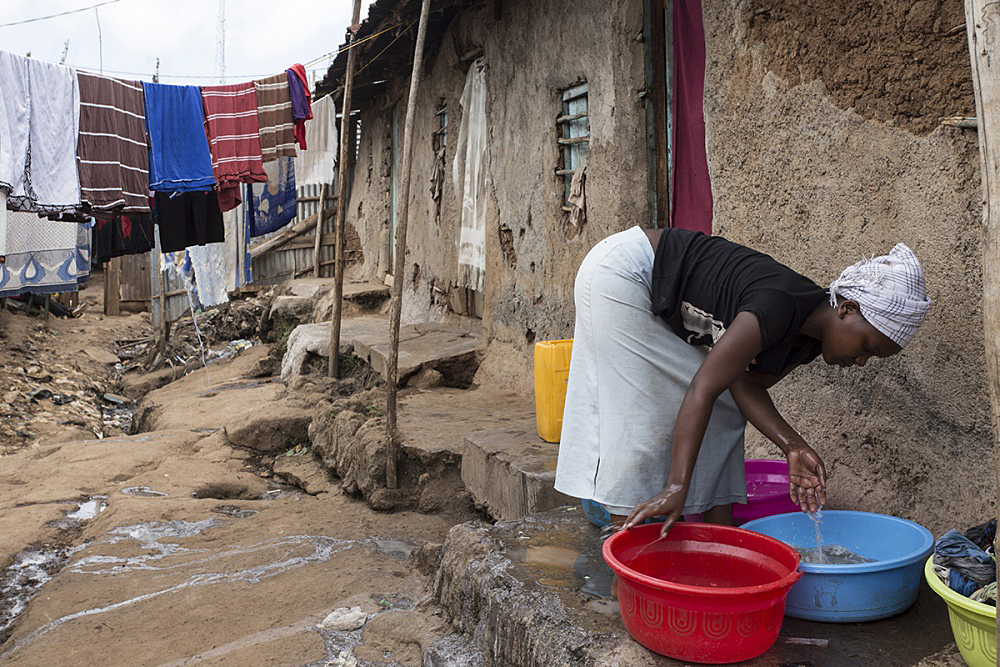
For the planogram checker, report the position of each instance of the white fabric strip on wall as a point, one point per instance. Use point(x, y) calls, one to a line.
point(469, 175)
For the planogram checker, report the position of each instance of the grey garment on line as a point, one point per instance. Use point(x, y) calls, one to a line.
point(628, 375)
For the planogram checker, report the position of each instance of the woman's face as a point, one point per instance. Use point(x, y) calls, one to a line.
point(852, 341)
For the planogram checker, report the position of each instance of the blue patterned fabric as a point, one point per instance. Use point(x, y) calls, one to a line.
point(44, 256)
point(272, 205)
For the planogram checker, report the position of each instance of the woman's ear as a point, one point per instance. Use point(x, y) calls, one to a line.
point(847, 306)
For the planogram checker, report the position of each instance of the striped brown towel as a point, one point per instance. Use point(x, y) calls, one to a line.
point(274, 112)
point(112, 152)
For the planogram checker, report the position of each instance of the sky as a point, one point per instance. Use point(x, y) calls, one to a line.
point(262, 37)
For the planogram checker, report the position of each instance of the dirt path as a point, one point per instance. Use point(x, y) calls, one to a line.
point(172, 547)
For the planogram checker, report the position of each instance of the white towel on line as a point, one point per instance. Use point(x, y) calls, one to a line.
point(51, 182)
point(316, 164)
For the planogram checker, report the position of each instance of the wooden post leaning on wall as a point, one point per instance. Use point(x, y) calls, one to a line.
point(341, 224)
point(396, 303)
point(319, 231)
point(113, 287)
point(982, 20)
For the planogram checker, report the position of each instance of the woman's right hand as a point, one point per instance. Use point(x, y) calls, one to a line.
point(806, 478)
point(669, 503)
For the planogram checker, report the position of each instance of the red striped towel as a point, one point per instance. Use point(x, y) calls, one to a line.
point(233, 138)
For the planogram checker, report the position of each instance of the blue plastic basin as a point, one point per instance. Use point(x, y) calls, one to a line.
point(861, 592)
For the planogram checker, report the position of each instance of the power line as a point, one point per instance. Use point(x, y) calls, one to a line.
point(52, 16)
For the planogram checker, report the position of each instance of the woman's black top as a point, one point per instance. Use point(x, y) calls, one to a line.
point(700, 284)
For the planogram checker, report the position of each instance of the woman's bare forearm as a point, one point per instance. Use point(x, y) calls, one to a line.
point(755, 402)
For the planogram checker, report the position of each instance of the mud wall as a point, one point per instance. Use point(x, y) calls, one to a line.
point(533, 51)
point(825, 143)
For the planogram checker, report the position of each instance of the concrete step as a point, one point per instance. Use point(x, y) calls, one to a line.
point(511, 471)
point(535, 593)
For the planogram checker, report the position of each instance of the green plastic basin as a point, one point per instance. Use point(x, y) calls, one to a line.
point(974, 624)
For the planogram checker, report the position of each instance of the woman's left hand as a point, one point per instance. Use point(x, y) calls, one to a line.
point(806, 478)
point(669, 502)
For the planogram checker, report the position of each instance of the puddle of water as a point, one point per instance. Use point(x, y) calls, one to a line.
point(395, 548)
point(143, 492)
point(574, 562)
point(89, 508)
point(557, 557)
point(234, 511)
point(609, 607)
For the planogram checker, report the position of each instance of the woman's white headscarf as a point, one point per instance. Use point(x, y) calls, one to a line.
point(890, 290)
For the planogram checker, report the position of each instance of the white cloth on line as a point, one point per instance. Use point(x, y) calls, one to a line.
point(628, 374)
point(317, 164)
point(52, 182)
point(469, 176)
point(14, 123)
point(209, 264)
point(3, 223)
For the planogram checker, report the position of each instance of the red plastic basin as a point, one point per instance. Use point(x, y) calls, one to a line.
point(705, 593)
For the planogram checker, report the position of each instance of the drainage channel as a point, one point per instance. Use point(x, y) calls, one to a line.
point(35, 566)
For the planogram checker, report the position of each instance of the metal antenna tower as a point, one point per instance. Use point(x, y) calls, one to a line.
point(220, 43)
point(62, 60)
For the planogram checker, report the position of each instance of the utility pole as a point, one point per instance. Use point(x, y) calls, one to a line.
point(396, 303)
point(341, 224)
point(982, 21)
point(220, 43)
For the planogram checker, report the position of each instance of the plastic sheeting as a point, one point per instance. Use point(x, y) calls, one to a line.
point(469, 175)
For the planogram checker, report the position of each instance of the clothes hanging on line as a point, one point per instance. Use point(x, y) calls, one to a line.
point(188, 219)
point(112, 152)
point(318, 163)
point(274, 112)
point(14, 128)
point(272, 205)
point(49, 181)
point(44, 256)
point(298, 86)
point(233, 138)
point(179, 158)
point(122, 235)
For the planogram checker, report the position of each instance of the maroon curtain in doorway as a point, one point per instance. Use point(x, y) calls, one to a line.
point(692, 186)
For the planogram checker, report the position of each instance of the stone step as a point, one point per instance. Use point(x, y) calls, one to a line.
point(535, 592)
point(452, 351)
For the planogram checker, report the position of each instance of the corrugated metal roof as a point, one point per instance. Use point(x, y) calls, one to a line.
point(390, 53)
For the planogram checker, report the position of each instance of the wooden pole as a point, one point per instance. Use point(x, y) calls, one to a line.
point(113, 286)
point(340, 231)
point(982, 20)
point(319, 231)
point(396, 304)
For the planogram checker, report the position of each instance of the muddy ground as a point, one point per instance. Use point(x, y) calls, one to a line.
point(172, 547)
point(195, 523)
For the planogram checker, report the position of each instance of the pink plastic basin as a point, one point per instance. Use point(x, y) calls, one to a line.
point(767, 492)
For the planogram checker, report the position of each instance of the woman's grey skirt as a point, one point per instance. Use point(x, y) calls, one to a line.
point(628, 375)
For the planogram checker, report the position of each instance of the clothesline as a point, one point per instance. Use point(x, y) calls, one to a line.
point(53, 16)
point(144, 158)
